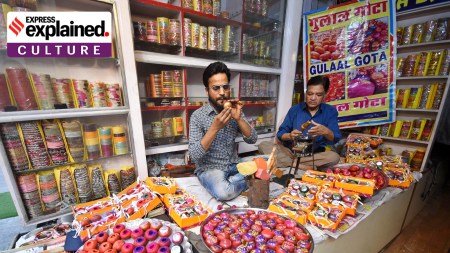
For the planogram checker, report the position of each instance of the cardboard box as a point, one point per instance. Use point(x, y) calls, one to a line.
point(303, 189)
point(298, 215)
point(186, 210)
point(189, 216)
point(355, 184)
point(108, 218)
point(133, 190)
point(335, 197)
point(398, 177)
point(140, 206)
point(317, 177)
point(299, 203)
point(92, 206)
point(178, 199)
point(162, 185)
point(320, 216)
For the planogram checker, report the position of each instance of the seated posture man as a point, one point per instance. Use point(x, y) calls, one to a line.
point(212, 133)
point(323, 124)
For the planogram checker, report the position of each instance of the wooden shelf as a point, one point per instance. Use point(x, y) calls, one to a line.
point(48, 217)
point(421, 78)
point(427, 46)
point(150, 7)
point(18, 116)
point(397, 139)
point(258, 98)
point(424, 11)
point(161, 98)
point(167, 148)
point(67, 164)
point(260, 104)
point(263, 34)
point(208, 19)
point(193, 62)
point(157, 47)
point(164, 108)
point(251, 18)
point(208, 54)
point(416, 110)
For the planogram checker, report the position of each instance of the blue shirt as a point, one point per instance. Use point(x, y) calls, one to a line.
point(223, 150)
point(327, 115)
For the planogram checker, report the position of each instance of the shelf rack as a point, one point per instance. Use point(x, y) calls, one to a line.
point(193, 60)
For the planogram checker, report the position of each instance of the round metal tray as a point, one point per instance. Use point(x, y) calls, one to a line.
point(244, 211)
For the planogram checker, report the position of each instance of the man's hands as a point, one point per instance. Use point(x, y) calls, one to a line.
point(236, 109)
point(222, 119)
point(320, 130)
point(316, 130)
point(293, 135)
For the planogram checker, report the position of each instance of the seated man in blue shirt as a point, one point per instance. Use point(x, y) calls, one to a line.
point(324, 125)
point(212, 133)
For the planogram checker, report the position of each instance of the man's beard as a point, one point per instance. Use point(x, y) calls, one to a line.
point(216, 105)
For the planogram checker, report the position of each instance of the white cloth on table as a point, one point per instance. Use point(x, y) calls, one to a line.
point(192, 186)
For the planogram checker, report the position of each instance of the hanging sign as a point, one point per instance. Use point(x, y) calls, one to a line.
point(353, 45)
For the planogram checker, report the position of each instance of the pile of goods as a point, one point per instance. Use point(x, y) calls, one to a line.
point(398, 176)
point(314, 200)
point(132, 203)
point(140, 236)
point(185, 209)
point(137, 201)
point(293, 207)
point(360, 171)
point(247, 230)
point(50, 236)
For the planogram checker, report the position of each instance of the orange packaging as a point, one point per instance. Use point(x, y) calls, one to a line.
point(302, 189)
point(92, 206)
point(162, 185)
point(132, 191)
point(355, 184)
point(139, 207)
point(326, 217)
point(337, 197)
point(299, 203)
point(189, 216)
point(398, 177)
point(186, 210)
point(178, 199)
point(298, 215)
point(320, 178)
point(99, 221)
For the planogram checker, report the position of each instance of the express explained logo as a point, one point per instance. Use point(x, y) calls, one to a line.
point(59, 34)
point(49, 27)
point(16, 26)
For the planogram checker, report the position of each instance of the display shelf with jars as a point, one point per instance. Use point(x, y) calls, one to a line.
point(262, 32)
point(163, 106)
point(161, 121)
point(258, 93)
point(236, 31)
point(211, 31)
point(67, 122)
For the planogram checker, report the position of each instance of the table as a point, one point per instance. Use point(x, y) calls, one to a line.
point(371, 234)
